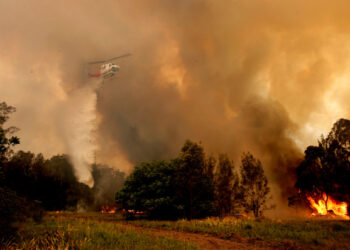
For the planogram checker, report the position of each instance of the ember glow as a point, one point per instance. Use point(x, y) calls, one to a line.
point(328, 206)
point(108, 210)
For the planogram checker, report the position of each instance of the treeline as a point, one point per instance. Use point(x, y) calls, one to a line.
point(31, 184)
point(195, 186)
point(53, 184)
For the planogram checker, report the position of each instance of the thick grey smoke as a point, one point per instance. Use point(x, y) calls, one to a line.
point(266, 76)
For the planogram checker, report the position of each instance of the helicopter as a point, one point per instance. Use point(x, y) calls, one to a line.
point(107, 69)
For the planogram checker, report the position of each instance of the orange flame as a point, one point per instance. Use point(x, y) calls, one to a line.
point(108, 210)
point(327, 205)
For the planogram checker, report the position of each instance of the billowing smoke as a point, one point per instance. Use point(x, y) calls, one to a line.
point(266, 76)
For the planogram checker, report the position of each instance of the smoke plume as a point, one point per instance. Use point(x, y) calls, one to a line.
point(265, 76)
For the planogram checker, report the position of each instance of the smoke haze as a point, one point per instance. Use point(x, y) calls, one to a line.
point(266, 76)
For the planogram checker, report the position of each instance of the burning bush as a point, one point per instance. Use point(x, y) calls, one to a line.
point(323, 176)
point(328, 206)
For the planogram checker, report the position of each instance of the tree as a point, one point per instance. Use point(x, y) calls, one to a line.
point(237, 195)
point(224, 186)
point(325, 170)
point(182, 187)
point(13, 208)
point(194, 181)
point(50, 181)
point(210, 165)
point(254, 185)
point(7, 140)
point(151, 188)
point(107, 181)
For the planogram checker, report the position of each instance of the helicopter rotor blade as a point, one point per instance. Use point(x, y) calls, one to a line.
point(114, 58)
point(97, 62)
point(108, 60)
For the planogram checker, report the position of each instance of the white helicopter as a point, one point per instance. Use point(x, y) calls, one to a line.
point(107, 69)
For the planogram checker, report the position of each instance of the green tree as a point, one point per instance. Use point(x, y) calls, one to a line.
point(13, 208)
point(194, 181)
point(50, 181)
point(254, 185)
point(182, 187)
point(7, 140)
point(151, 188)
point(224, 186)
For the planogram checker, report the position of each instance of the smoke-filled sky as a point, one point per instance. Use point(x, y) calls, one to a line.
point(267, 76)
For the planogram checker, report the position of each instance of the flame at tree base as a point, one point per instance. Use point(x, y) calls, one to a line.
point(329, 206)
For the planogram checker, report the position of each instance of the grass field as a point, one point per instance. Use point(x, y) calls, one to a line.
point(105, 231)
point(304, 233)
point(78, 233)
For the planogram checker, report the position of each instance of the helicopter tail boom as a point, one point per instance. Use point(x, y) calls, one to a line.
point(97, 74)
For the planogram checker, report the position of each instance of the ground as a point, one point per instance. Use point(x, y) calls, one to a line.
point(112, 231)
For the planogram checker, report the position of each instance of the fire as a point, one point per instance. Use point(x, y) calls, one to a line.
point(327, 205)
point(108, 210)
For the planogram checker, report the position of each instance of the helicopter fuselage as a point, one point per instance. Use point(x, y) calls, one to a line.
point(107, 70)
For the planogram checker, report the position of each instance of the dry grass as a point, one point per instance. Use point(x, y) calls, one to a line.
point(71, 233)
point(105, 231)
point(331, 234)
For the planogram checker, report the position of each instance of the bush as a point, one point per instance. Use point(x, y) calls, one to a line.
point(182, 187)
point(14, 210)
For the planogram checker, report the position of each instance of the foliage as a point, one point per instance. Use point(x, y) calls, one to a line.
point(151, 188)
point(194, 182)
point(187, 186)
point(107, 181)
point(254, 185)
point(224, 186)
point(13, 208)
point(237, 195)
point(181, 187)
point(326, 167)
point(52, 181)
point(7, 140)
